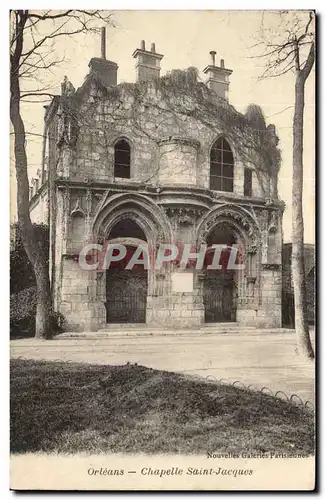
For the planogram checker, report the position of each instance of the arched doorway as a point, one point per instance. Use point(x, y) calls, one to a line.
point(220, 286)
point(126, 289)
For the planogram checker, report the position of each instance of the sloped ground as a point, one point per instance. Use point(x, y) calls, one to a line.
point(71, 407)
point(260, 358)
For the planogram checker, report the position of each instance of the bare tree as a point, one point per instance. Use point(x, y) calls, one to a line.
point(33, 35)
point(295, 52)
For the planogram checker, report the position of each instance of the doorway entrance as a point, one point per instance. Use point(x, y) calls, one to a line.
point(126, 296)
point(220, 291)
point(126, 289)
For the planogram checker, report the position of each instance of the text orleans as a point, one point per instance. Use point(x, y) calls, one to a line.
point(174, 471)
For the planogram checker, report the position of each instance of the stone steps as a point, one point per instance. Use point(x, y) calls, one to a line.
point(134, 330)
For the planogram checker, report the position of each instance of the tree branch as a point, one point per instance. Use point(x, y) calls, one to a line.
point(309, 63)
point(36, 94)
point(288, 51)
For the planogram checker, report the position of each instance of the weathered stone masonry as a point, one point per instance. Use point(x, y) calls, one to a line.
point(167, 131)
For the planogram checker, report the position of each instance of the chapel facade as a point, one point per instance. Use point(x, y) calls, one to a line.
point(163, 160)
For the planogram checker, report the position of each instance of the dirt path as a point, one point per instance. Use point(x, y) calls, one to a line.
point(260, 360)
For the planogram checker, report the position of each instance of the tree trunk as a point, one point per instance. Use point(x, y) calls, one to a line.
point(43, 305)
point(34, 249)
point(298, 267)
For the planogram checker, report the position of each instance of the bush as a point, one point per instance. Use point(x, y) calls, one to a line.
point(23, 286)
point(57, 322)
point(23, 311)
point(21, 270)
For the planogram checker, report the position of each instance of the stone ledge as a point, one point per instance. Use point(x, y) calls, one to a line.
point(174, 139)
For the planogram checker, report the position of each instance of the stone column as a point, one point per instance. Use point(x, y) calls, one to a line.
point(178, 161)
point(269, 313)
point(78, 290)
point(248, 287)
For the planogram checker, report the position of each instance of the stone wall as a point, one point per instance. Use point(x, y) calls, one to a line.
point(269, 313)
point(259, 286)
point(179, 310)
point(170, 174)
point(39, 209)
point(178, 161)
point(177, 306)
point(80, 302)
point(146, 121)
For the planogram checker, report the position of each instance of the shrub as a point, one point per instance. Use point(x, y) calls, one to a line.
point(23, 286)
point(57, 322)
point(21, 270)
point(23, 311)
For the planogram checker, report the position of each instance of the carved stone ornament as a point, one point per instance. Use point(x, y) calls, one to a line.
point(241, 220)
point(77, 211)
point(184, 215)
point(67, 124)
point(160, 235)
point(99, 200)
point(66, 196)
point(251, 248)
point(89, 199)
point(66, 200)
point(67, 88)
point(101, 237)
point(273, 222)
point(271, 266)
point(231, 215)
point(174, 139)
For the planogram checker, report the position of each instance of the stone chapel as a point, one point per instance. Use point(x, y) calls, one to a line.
point(163, 159)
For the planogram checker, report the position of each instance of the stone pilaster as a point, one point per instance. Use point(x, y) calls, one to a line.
point(269, 312)
point(80, 302)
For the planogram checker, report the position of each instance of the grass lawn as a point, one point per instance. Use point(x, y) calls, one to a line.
point(71, 407)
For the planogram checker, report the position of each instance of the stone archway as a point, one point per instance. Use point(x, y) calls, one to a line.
point(231, 295)
point(135, 218)
point(220, 286)
point(126, 289)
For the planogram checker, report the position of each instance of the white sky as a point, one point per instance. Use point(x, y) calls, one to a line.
point(185, 38)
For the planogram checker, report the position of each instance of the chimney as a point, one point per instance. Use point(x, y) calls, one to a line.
point(106, 70)
point(218, 77)
point(147, 63)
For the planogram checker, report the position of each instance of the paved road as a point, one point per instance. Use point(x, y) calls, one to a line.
point(267, 359)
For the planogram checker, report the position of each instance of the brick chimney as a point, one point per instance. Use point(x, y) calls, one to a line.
point(106, 70)
point(147, 63)
point(218, 76)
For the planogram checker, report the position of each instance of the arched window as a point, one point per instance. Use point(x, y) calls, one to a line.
point(122, 159)
point(221, 166)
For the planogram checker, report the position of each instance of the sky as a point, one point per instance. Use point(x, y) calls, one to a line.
point(185, 38)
